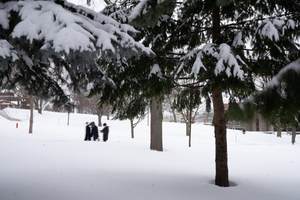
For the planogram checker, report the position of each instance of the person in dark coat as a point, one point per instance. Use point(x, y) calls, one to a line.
point(105, 131)
point(94, 132)
point(87, 132)
point(244, 131)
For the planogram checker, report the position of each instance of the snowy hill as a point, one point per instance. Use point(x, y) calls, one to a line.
point(56, 163)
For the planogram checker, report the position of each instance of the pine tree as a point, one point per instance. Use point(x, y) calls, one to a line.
point(187, 100)
point(227, 42)
point(45, 45)
point(145, 80)
point(279, 101)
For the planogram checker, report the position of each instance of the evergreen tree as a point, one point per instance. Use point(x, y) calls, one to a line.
point(45, 45)
point(226, 43)
point(187, 100)
point(280, 100)
point(144, 80)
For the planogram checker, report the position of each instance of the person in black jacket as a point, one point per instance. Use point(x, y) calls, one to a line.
point(87, 132)
point(105, 131)
point(94, 132)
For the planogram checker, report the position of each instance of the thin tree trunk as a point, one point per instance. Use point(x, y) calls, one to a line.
point(132, 128)
point(31, 115)
point(294, 135)
point(221, 178)
point(107, 115)
point(99, 120)
point(187, 121)
point(174, 115)
point(156, 125)
point(18, 102)
point(40, 106)
point(187, 128)
point(190, 128)
point(278, 131)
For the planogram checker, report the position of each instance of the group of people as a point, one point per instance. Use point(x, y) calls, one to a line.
point(91, 131)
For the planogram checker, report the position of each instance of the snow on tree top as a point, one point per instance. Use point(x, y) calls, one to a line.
point(63, 30)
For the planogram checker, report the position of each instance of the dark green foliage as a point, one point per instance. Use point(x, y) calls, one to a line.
point(155, 11)
point(187, 99)
point(241, 112)
point(134, 108)
point(133, 82)
point(280, 104)
point(131, 86)
point(226, 44)
point(208, 104)
point(43, 70)
point(194, 26)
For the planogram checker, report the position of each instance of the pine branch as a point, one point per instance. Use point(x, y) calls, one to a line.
point(169, 53)
point(74, 9)
point(189, 85)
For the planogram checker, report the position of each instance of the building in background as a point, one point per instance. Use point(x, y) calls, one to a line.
point(11, 100)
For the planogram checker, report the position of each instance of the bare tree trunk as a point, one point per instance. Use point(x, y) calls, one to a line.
point(221, 178)
point(278, 131)
point(108, 114)
point(294, 135)
point(187, 128)
point(31, 115)
point(18, 102)
point(99, 120)
point(187, 123)
point(174, 115)
point(156, 125)
point(132, 128)
point(40, 108)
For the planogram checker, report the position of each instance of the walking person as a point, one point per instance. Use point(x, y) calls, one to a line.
point(94, 132)
point(87, 132)
point(105, 131)
point(244, 131)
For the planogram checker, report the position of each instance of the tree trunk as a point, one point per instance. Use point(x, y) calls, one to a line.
point(31, 115)
point(187, 128)
point(174, 115)
point(156, 125)
point(278, 131)
point(190, 128)
point(99, 120)
point(18, 102)
point(221, 178)
point(40, 106)
point(187, 123)
point(294, 135)
point(55, 108)
point(216, 32)
point(107, 115)
point(132, 128)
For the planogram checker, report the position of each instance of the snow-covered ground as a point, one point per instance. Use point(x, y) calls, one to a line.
point(54, 163)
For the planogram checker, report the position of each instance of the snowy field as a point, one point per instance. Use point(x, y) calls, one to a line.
point(54, 163)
